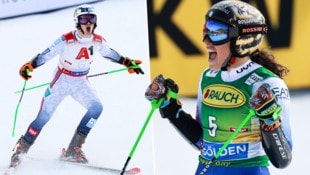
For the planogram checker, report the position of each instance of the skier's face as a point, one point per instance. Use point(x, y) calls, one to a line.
point(87, 23)
point(217, 41)
point(87, 29)
point(217, 54)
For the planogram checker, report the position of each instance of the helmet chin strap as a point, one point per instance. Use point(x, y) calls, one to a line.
point(229, 61)
point(82, 31)
point(78, 26)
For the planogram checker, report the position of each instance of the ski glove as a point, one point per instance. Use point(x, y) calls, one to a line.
point(24, 71)
point(266, 107)
point(159, 88)
point(156, 89)
point(29, 67)
point(133, 65)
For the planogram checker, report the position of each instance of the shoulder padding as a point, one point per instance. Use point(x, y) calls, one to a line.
point(98, 38)
point(69, 36)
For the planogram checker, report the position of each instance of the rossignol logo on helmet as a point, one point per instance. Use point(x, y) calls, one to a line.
point(223, 96)
point(255, 29)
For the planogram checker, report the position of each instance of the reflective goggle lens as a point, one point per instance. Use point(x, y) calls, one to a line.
point(84, 19)
point(216, 32)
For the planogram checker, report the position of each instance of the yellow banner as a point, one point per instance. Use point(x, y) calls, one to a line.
point(177, 51)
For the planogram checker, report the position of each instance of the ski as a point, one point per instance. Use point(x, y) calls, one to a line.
point(131, 171)
point(9, 171)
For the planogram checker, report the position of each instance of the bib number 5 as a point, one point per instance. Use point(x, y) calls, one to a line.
point(212, 126)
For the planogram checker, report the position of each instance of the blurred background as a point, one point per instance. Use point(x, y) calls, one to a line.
point(177, 51)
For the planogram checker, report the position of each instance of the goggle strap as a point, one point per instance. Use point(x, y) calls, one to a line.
point(233, 32)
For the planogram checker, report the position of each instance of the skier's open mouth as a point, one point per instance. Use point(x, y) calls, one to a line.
point(212, 56)
point(88, 29)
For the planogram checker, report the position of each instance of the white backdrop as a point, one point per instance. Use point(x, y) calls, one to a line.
point(122, 94)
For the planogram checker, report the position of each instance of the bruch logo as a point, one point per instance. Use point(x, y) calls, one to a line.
point(223, 96)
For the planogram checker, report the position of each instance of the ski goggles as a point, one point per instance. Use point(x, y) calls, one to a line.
point(88, 18)
point(220, 33)
point(216, 32)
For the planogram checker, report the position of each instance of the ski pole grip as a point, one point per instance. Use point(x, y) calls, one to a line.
point(134, 65)
point(27, 71)
point(156, 103)
point(172, 94)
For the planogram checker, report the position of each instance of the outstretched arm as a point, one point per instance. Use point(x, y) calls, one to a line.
point(133, 65)
point(42, 58)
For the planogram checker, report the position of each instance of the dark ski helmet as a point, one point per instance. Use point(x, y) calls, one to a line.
point(246, 25)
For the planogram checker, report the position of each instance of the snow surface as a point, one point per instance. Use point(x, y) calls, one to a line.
point(161, 150)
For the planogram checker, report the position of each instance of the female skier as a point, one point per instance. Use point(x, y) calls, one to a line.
point(241, 81)
point(75, 50)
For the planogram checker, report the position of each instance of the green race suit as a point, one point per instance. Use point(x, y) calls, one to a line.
point(223, 102)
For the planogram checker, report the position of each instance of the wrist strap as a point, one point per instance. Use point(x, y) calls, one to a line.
point(274, 117)
point(172, 94)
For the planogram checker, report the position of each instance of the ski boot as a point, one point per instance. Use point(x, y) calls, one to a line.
point(21, 148)
point(74, 151)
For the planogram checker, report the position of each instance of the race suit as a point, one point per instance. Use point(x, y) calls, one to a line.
point(222, 103)
point(75, 56)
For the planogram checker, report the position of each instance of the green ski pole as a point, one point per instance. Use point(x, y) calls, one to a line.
point(19, 101)
point(89, 76)
point(155, 104)
point(228, 141)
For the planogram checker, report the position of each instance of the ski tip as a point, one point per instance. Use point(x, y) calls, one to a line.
point(134, 170)
point(9, 171)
